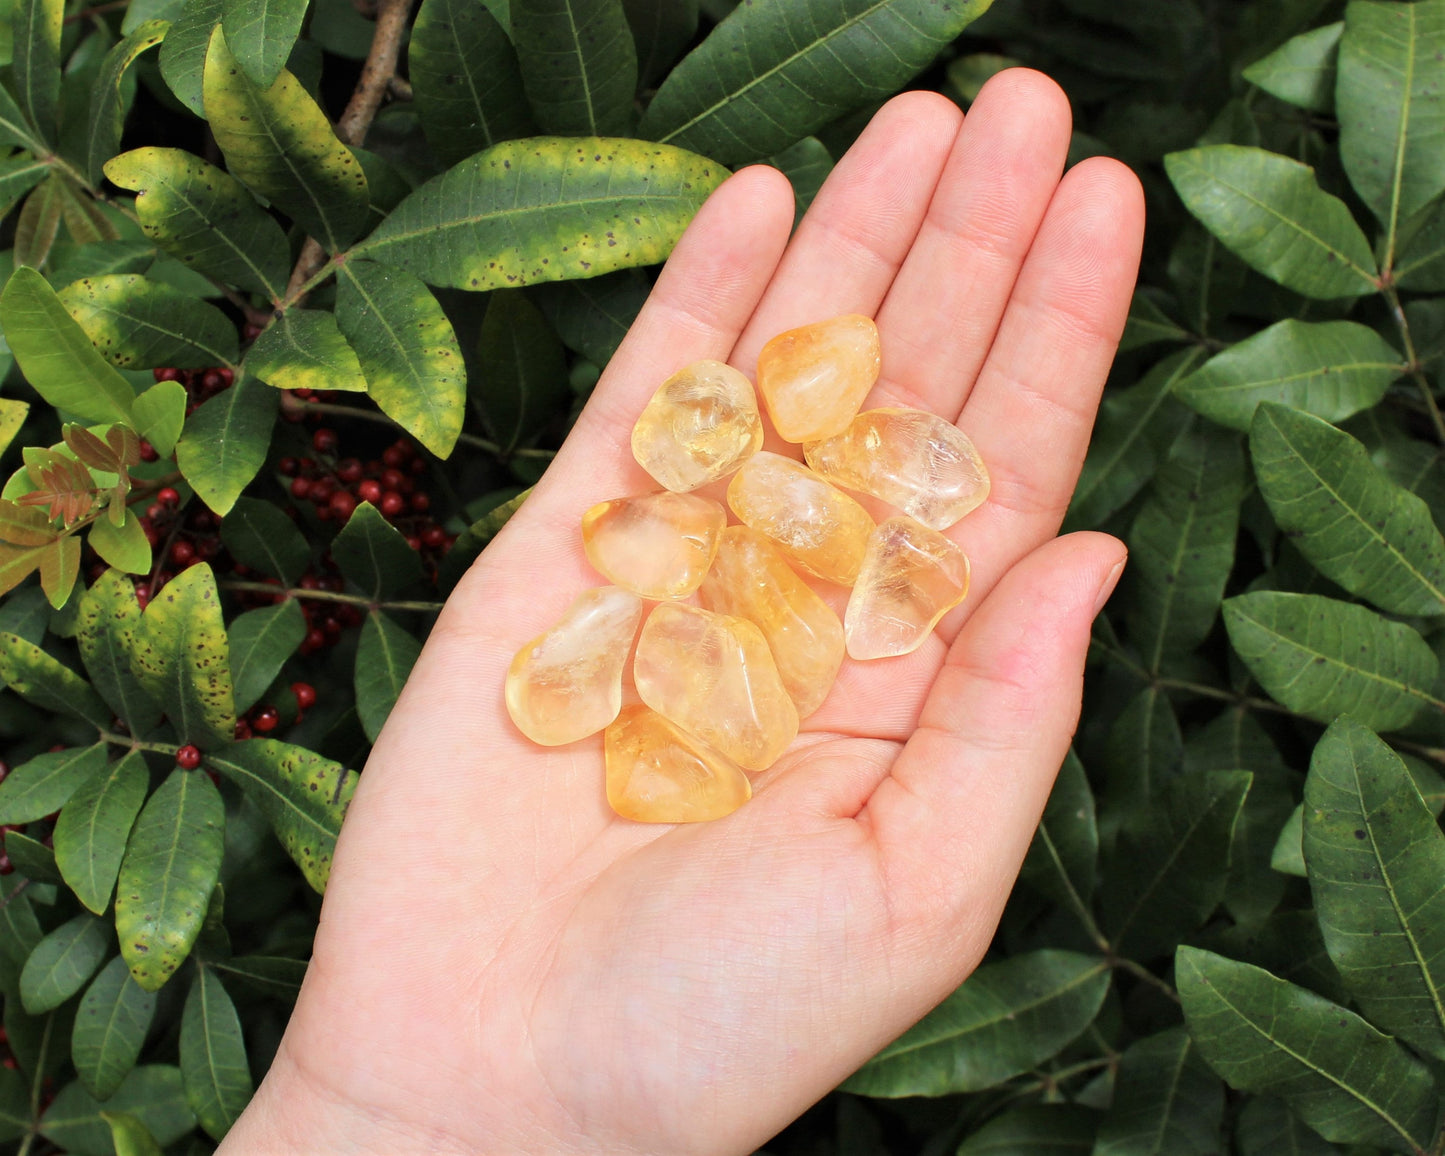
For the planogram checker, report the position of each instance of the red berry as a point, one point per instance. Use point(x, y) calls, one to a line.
point(167, 496)
point(227, 376)
point(165, 374)
point(420, 502)
point(153, 536)
point(208, 548)
point(315, 639)
point(304, 394)
point(5, 868)
point(332, 628)
point(243, 730)
point(251, 331)
point(324, 440)
point(142, 596)
point(148, 452)
point(343, 505)
point(321, 492)
point(433, 536)
point(392, 504)
point(288, 466)
point(309, 582)
point(265, 719)
point(392, 456)
point(188, 758)
point(417, 466)
point(155, 510)
point(182, 552)
point(300, 488)
point(413, 541)
point(349, 471)
point(213, 380)
point(369, 491)
point(305, 695)
point(392, 479)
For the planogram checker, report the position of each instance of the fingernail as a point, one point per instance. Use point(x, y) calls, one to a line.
point(1106, 588)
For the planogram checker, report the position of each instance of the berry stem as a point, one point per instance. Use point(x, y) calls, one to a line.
point(296, 404)
point(136, 744)
point(326, 596)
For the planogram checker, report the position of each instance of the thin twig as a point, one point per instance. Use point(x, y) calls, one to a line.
point(1412, 359)
point(326, 596)
point(297, 405)
point(400, 89)
point(135, 744)
point(1142, 972)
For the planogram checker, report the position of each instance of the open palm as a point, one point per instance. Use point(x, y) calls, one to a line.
point(503, 964)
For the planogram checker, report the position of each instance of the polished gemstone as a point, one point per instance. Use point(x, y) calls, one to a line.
point(701, 424)
point(751, 579)
point(911, 459)
point(656, 545)
point(566, 684)
point(911, 577)
point(816, 524)
point(713, 675)
point(813, 379)
point(657, 773)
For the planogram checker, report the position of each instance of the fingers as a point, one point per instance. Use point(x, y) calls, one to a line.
point(953, 820)
point(944, 306)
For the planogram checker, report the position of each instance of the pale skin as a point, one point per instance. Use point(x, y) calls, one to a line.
point(503, 965)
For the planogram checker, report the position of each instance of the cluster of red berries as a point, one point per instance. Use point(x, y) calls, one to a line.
point(201, 384)
point(262, 719)
point(185, 537)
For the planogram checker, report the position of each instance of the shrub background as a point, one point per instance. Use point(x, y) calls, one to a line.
point(1229, 933)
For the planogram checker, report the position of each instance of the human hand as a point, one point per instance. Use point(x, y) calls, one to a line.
point(503, 964)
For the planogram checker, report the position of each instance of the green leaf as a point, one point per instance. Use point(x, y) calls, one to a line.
point(182, 660)
point(170, 868)
point(1266, 1127)
point(524, 371)
point(1143, 750)
point(213, 1056)
point(806, 164)
point(110, 1029)
point(1391, 107)
point(108, 623)
point(225, 442)
point(1006, 1018)
point(62, 962)
point(278, 143)
point(1181, 545)
point(579, 65)
point(130, 1136)
point(160, 413)
point(1376, 857)
point(1166, 1102)
point(384, 659)
point(137, 323)
point(261, 34)
point(661, 30)
point(1302, 70)
point(261, 642)
point(14, 1105)
point(59, 568)
point(772, 73)
point(35, 68)
point(471, 541)
point(408, 350)
point(594, 316)
point(1269, 211)
point(465, 79)
point(373, 555)
point(1347, 1081)
point(1058, 1129)
point(303, 796)
point(56, 356)
point(272, 975)
point(546, 209)
point(1421, 263)
point(1132, 436)
point(107, 109)
point(1254, 888)
point(183, 55)
point(1169, 871)
point(204, 217)
point(1331, 369)
point(259, 535)
point(31, 858)
point(1358, 528)
point(21, 932)
point(12, 416)
point(14, 128)
point(152, 1093)
point(1288, 856)
point(33, 674)
point(91, 833)
point(18, 177)
point(125, 546)
point(1064, 855)
point(1323, 658)
point(304, 349)
point(39, 223)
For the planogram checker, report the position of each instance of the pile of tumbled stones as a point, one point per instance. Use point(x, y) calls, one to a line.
point(724, 683)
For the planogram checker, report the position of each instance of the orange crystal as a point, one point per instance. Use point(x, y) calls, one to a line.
point(911, 577)
point(713, 675)
point(566, 683)
point(813, 379)
point(656, 545)
point(912, 459)
point(701, 424)
point(816, 524)
point(751, 579)
point(657, 773)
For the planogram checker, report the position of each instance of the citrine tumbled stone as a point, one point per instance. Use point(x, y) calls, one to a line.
point(713, 675)
point(814, 378)
point(656, 545)
point(701, 424)
point(911, 577)
point(751, 579)
point(657, 773)
point(913, 460)
point(566, 683)
point(815, 523)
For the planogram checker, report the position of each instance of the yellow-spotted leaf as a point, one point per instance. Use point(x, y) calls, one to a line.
point(303, 349)
point(107, 109)
point(35, 69)
point(107, 627)
point(261, 34)
point(183, 55)
point(137, 323)
point(36, 675)
point(12, 416)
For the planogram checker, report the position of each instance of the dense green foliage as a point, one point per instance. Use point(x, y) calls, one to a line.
point(235, 497)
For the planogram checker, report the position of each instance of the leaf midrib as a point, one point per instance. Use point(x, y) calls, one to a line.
point(1303, 375)
point(176, 192)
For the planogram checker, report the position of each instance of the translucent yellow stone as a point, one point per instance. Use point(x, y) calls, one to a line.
point(913, 460)
point(911, 577)
point(751, 579)
point(566, 684)
point(701, 424)
point(657, 773)
point(813, 379)
point(656, 545)
point(816, 524)
point(713, 675)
